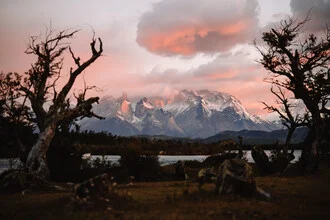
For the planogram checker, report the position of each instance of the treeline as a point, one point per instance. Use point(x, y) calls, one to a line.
point(103, 143)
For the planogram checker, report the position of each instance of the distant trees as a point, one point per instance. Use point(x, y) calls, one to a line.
point(16, 130)
point(49, 105)
point(301, 65)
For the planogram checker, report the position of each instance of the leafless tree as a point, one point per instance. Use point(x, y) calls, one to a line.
point(301, 66)
point(52, 106)
point(288, 118)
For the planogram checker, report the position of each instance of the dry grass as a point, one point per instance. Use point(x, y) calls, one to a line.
point(293, 197)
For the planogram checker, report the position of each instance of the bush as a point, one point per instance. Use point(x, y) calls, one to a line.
point(142, 167)
point(98, 163)
point(16, 180)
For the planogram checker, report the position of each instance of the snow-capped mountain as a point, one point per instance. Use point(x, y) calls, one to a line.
point(187, 114)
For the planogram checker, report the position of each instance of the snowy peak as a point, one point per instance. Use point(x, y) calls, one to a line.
point(143, 107)
point(194, 114)
point(123, 97)
point(208, 101)
point(112, 107)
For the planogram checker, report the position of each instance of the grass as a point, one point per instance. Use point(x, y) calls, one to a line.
point(305, 197)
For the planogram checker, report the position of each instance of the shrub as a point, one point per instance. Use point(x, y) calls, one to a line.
point(142, 167)
point(101, 163)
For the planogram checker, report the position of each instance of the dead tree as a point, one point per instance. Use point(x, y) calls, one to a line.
point(300, 66)
point(51, 106)
point(289, 119)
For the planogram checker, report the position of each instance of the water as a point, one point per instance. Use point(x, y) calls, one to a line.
point(163, 159)
point(171, 159)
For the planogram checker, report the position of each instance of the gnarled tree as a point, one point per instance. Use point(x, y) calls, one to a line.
point(289, 119)
point(300, 65)
point(51, 106)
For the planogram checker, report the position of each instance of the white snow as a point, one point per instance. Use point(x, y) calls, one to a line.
point(177, 108)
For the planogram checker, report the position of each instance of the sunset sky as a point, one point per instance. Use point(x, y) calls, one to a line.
point(156, 47)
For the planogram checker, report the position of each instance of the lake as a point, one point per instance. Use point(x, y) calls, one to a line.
point(163, 159)
point(171, 159)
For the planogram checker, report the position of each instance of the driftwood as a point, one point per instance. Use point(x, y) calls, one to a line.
point(205, 175)
point(235, 176)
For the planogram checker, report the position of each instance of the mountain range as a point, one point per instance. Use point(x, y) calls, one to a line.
point(194, 114)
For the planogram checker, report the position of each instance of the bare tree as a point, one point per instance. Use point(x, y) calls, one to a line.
point(300, 66)
point(289, 119)
point(51, 106)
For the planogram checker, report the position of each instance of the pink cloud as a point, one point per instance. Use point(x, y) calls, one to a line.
point(184, 27)
point(243, 79)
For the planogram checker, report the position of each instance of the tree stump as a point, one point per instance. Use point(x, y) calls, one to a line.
point(235, 176)
point(262, 161)
point(180, 172)
point(205, 175)
point(279, 164)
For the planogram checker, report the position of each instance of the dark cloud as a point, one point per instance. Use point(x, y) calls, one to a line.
point(319, 14)
point(188, 27)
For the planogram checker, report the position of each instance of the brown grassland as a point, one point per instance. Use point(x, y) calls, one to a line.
point(303, 197)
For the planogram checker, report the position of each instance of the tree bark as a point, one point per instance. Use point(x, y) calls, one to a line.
point(317, 137)
point(289, 137)
point(37, 158)
point(288, 140)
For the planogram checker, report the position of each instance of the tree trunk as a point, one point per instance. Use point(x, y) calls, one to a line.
point(37, 161)
point(317, 137)
point(288, 140)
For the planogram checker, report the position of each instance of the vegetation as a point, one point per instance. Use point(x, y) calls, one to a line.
point(292, 198)
point(141, 167)
point(289, 119)
point(301, 65)
point(51, 109)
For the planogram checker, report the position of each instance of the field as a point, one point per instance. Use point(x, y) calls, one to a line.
point(305, 197)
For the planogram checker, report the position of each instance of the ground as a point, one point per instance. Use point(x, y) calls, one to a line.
point(305, 197)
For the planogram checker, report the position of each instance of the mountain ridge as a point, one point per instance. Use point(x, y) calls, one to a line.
point(196, 114)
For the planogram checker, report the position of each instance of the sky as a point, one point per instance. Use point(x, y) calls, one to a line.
point(158, 47)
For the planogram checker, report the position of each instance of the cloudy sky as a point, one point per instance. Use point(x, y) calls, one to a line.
point(157, 47)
